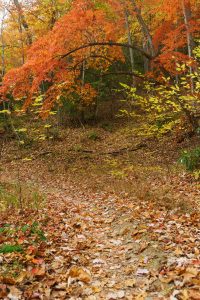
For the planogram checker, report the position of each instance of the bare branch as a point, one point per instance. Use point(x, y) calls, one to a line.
point(110, 44)
point(124, 73)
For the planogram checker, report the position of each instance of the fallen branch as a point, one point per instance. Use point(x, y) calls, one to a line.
point(114, 152)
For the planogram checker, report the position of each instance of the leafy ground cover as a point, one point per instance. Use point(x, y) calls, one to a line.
point(118, 223)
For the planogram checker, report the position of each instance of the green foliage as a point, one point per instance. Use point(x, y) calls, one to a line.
point(35, 229)
point(51, 133)
point(118, 174)
point(165, 102)
point(18, 196)
point(197, 50)
point(190, 159)
point(196, 174)
point(68, 106)
point(93, 136)
point(77, 148)
point(31, 232)
point(27, 229)
point(107, 126)
point(10, 248)
point(115, 168)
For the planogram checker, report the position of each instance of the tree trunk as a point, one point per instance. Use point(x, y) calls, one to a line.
point(23, 22)
point(3, 68)
point(144, 28)
point(190, 42)
point(130, 43)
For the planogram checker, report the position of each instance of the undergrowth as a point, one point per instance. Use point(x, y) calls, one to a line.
point(190, 159)
point(20, 196)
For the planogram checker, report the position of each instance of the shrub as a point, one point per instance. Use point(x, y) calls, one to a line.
point(190, 159)
point(20, 196)
point(93, 136)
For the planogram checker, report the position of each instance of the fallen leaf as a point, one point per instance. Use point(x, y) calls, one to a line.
point(130, 282)
point(80, 274)
point(7, 280)
point(141, 272)
point(178, 251)
point(38, 272)
point(3, 291)
point(115, 295)
point(14, 294)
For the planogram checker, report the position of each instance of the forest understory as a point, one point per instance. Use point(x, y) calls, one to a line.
point(118, 219)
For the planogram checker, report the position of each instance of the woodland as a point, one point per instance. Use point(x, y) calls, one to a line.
point(100, 149)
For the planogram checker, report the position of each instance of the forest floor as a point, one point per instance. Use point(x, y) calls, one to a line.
point(120, 219)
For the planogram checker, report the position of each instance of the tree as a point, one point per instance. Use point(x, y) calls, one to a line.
point(46, 63)
point(58, 62)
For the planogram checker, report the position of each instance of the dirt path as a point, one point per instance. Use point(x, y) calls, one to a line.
point(102, 247)
point(100, 244)
point(130, 251)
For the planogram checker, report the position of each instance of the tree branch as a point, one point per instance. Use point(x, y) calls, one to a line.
point(124, 73)
point(110, 44)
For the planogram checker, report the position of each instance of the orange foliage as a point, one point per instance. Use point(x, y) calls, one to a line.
point(86, 23)
point(44, 63)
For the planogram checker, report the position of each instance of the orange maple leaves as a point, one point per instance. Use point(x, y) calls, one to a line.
point(87, 23)
point(81, 25)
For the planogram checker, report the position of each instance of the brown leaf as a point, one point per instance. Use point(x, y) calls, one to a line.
point(143, 247)
point(130, 282)
point(80, 274)
point(3, 291)
point(167, 279)
point(7, 280)
point(38, 272)
point(178, 251)
point(21, 277)
point(190, 272)
point(194, 294)
point(14, 293)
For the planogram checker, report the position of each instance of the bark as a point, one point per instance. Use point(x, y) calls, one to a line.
point(22, 21)
point(132, 74)
point(187, 17)
point(53, 14)
point(190, 42)
point(3, 68)
point(146, 60)
point(111, 44)
point(130, 43)
point(144, 28)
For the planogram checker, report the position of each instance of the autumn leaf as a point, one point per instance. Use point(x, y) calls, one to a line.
point(79, 274)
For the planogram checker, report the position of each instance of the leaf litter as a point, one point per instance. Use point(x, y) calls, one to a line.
point(100, 245)
point(99, 248)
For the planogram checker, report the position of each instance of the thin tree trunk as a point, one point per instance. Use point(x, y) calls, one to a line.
point(144, 28)
point(53, 14)
point(22, 40)
point(3, 67)
point(82, 117)
point(23, 22)
point(146, 60)
point(187, 17)
point(190, 42)
point(130, 43)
